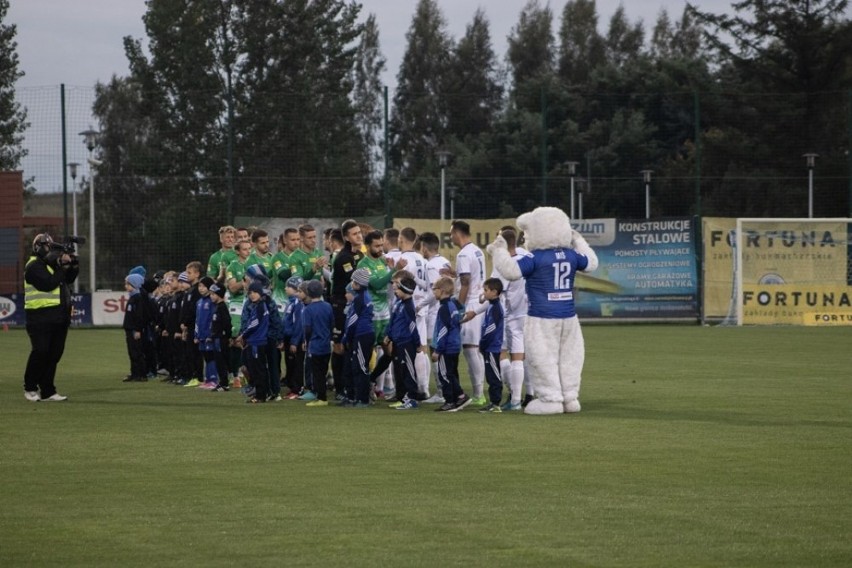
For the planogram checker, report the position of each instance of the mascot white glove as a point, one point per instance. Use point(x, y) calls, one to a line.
point(503, 261)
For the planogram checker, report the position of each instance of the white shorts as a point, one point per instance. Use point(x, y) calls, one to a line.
point(513, 335)
point(471, 331)
point(420, 320)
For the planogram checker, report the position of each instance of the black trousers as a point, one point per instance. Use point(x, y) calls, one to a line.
point(48, 345)
point(136, 354)
point(295, 362)
point(492, 377)
point(258, 370)
point(405, 376)
point(319, 368)
point(338, 360)
point(448, 376)
point(357, 368)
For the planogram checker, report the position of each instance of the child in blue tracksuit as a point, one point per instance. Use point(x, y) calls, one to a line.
point(491, 339)
point(294, 355)
point(254, 333)
point(446, 346)
point(359, 337)
point(403, 341)
point(203, 332)
point(318, 323)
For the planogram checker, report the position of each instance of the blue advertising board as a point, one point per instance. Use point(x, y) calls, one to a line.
point(647, 270)
point(12, 310)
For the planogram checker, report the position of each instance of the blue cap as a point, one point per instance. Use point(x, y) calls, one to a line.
point(135, 280)
point(140, 270)
point(294, 282)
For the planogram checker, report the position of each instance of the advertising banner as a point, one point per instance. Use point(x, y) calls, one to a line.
point(647, 270)
point(718, 265)
point(12, 310)
point(794, 272)
point(108, 308)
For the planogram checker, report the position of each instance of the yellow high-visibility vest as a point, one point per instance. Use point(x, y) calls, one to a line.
point(35, 299)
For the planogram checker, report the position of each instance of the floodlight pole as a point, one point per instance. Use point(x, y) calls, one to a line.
point(646, 175)
point(443, 160)
point(572, 171)
point(810, 157)
point(73, 170)
point(90, 140)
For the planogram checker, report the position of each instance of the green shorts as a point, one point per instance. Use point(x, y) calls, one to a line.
point(381, 326)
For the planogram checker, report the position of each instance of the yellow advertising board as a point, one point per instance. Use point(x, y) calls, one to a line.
point(718, 265)
point(793, 271)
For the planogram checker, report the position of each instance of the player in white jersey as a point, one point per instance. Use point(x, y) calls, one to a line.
point(470, 271)
point(515, 304)
point(429, 245)
point(416, 264)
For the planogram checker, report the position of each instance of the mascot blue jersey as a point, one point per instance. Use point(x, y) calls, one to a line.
point(549, 277)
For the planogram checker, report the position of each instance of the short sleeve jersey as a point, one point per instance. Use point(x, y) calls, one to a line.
point(264, 260)
point(417, 266)
point(379, 277)
point(302, 264)
point(218, 260)
point(550, 281)
point(470, 260)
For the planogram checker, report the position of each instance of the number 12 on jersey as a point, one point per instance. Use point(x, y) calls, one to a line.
point(562, 275)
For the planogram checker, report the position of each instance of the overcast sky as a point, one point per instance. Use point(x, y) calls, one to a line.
point(79, 42)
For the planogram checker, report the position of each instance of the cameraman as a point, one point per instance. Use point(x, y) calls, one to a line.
point(47, 304)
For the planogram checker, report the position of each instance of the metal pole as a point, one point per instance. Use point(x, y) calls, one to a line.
point(64, 161)
point(452, 207)
point(386, 177)
point(810, 193)
point(581, 205)
point(572, 198)
point(543, 146)
point(647, 201)
point(443, 194)
point(92, 247)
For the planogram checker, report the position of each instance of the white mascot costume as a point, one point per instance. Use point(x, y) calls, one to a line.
point(552, 336)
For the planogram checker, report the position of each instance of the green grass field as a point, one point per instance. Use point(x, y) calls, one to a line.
point(695, 447)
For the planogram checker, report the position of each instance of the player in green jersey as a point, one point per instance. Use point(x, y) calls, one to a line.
point(307, 261)
point(219, 260)
point(260, 253)
point(288, 242)
point(380, 277)
point(236, 296)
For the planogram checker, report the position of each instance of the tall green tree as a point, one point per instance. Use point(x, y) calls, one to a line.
point(419, 123)
point(13, 117)
point(581, 48)
point(473, 88)
point(787, 65)
point(367, 96)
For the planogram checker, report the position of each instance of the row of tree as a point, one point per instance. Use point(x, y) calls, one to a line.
point(255, 107)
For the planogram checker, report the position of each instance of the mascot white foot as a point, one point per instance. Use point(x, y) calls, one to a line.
point(552, 335)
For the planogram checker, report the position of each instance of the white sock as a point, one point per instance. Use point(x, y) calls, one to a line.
point(476, 369)
point(516, 380)
point(504, 371)
point(422, 367)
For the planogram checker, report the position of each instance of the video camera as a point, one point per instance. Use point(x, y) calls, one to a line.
point(67, 246)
